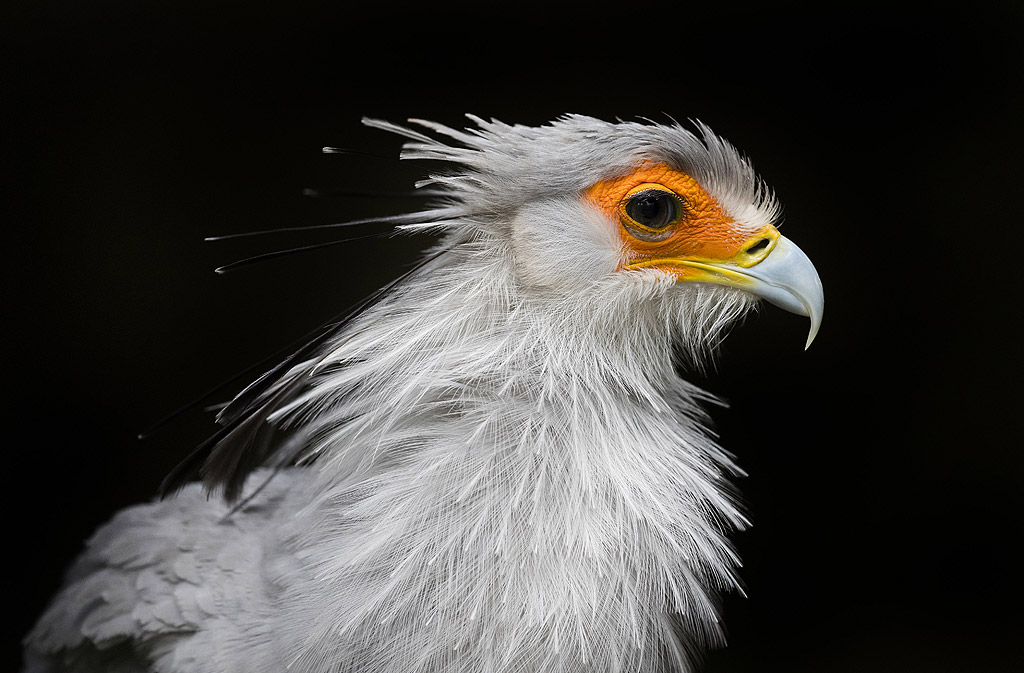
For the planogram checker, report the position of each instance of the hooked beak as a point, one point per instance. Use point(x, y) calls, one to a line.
point(787, 279)
point(769, 266)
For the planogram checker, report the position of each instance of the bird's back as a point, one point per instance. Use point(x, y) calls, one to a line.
point(174, 585)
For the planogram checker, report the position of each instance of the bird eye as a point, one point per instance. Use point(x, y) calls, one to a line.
point(653, 208)
point(651, 212)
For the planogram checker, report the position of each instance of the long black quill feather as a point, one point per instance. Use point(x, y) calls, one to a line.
point(244, 443)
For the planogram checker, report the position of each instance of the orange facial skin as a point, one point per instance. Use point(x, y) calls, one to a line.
point(706, 233)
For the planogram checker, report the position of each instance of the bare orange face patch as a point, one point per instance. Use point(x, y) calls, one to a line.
point(664, 217)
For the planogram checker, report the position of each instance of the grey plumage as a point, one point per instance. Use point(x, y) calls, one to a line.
point(494, 467)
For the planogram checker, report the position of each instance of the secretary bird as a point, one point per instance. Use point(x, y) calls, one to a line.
point(495, 466)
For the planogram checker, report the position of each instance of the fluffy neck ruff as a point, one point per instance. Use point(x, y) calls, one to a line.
point(513, 483)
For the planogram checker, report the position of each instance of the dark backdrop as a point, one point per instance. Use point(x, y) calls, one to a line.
point(885, 462)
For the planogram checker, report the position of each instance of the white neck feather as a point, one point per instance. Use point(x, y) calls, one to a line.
point(515, 483)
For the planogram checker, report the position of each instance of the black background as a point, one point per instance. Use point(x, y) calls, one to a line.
point(884, 463)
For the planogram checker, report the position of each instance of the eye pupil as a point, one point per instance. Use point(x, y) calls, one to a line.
point(650, 208)
point(654, 209)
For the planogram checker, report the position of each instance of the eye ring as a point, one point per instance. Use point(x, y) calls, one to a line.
point(650, 212)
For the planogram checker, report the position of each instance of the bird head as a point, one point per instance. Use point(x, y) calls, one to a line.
point(581, 252)
point(613, 216)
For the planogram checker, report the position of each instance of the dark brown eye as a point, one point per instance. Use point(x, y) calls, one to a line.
point(654, 209)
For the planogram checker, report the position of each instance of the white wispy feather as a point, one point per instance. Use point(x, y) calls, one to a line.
point(500, 467)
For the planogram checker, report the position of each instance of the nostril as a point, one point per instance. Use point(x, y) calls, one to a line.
point(757, 247)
